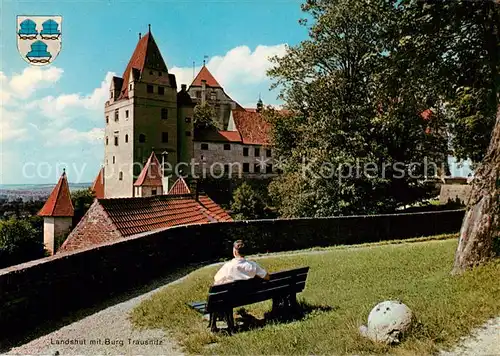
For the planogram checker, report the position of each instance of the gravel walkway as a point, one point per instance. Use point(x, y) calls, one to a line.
point(484, 341)
point(107, 332)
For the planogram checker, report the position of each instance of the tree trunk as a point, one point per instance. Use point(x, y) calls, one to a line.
point(481, 226)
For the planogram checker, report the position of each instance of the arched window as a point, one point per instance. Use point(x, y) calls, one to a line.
point(126, 138)
point(142, 138)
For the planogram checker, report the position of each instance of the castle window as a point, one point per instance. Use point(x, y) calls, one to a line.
point(257, 152)
point(226, 169)
point(116, 140)
point(227, 146)
point(130, 86)
point(126, 138)
point(111, 94)
point(150, 72)
point(126, 114)
point(160, 74)
point(107, 119)
point(153, 191)
point(256, 168)
point(268, 153)
point(150, 89)
point(142, 138)
point(198, 94)
point(269, 168)
point(161, 90)
point(164, 137)
point(213, 96)
point(114, 160)
point(245, 151)
point(117, 115)
point(204, 146)
point(164, 114)
point(188, 133)
point(120, 177)
point(107, 141)
point(246, 167)
point(188, 120)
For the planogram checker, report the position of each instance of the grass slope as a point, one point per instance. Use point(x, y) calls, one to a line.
point(351, 281)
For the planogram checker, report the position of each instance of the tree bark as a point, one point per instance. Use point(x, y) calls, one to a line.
point(481, 225)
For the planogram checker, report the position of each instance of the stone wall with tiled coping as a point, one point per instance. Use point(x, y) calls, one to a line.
point(53, 286)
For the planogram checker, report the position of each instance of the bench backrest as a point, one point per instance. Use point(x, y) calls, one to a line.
point(231, 295)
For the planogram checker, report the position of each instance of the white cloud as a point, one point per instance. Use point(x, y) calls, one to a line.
point(65, 107)
point(238, 66)
point(24, 85)
point(11, 125)
point(72, 137)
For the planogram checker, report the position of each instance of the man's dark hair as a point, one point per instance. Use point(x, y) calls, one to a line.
point(240, 247)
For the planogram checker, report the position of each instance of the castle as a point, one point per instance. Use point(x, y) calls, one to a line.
point(148, 122)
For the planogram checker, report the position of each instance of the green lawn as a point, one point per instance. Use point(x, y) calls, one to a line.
point(351, 281)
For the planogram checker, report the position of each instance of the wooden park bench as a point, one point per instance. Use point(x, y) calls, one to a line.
point(282, 288)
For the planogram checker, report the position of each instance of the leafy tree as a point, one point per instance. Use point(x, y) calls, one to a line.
point(204, 117)
point(348, 111)
point(247, 204)
point(19, 242)
point(82, 199)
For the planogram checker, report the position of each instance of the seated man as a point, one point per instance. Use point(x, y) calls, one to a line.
point(239, 268)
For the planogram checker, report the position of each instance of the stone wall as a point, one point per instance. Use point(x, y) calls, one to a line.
point(51, 287)
point(454, 192)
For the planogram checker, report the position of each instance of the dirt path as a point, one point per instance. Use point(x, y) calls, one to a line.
point(484, 341)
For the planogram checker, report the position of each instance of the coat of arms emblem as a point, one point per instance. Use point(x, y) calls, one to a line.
point(39, 38)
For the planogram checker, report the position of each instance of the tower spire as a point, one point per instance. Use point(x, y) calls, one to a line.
point(149, 28)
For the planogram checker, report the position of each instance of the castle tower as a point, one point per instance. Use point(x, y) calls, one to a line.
point(185, 128)
point(206, 89)
point(57, 215)
point(141, 113)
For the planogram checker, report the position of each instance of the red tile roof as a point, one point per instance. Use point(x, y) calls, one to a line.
point(137, 215)
point(252, 127)
point(98, 185)
point(150, 174)
point(205, 74)
point(146, 55)
point(426, 114)
point(213, 135)
point(214, 209)
point(180, 187)
point(59, 201)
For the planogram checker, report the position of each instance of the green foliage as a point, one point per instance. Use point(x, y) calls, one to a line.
point(342, 278)
point(247, 204)
point(82, 199)
point(19, 242)
point(204, 117)
point(348, 111)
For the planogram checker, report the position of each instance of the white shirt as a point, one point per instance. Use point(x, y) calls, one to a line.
point(237, 269)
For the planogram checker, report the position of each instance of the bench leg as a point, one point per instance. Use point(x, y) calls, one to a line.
point(212, 324)
point(229, 321)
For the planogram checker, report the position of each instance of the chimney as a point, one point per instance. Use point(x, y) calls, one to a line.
point(183, 87)
point(203, 92)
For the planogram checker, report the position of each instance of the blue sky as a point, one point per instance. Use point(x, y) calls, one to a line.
point(52, 116)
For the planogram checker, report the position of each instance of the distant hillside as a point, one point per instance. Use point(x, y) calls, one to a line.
point(33, 191)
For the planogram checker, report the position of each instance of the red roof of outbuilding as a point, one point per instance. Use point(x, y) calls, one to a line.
point(180, 187)
point(214, 135)
point(98, 185)
point(59, 202)
point(150, 174)
point(205, 74)
point(252, 126)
